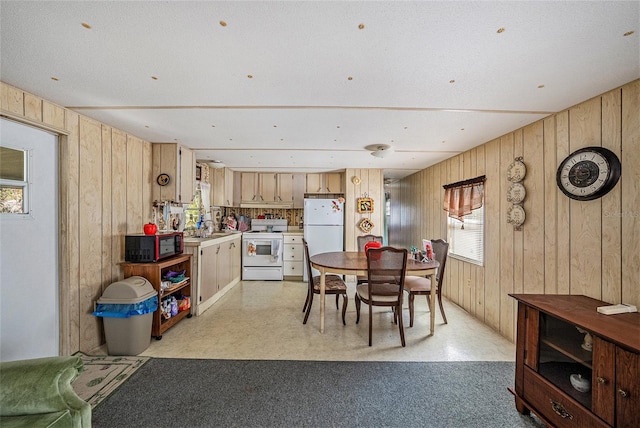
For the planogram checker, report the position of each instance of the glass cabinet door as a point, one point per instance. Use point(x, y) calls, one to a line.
point(566, 358)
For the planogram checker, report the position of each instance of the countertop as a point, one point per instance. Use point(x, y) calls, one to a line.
point(215, 238)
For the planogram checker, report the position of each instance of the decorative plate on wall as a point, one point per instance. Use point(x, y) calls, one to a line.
point(516, 171)
point(365, 205)
point(516, 216)
point(516, 193)
point(366, 225)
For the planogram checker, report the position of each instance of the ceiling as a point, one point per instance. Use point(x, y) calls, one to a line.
point(308, 86)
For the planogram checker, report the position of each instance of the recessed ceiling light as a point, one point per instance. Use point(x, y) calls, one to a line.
point(628, 33)
point(361, 26)
point(338, 126)
point(87, 26)
point(154, 77)
point(452, 81)
point(223, 23)
point(462, 129)
point(146, 126)
point(54, 78)
point(349, 78)
point(501, 30)
point(540, 86)
point(213, 126)
point(250, 76)
point(405, 127)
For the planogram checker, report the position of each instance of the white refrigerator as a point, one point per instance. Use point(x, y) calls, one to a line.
point(323, 227)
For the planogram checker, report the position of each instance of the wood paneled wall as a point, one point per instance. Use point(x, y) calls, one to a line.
point(105, 193)
point(565, 246)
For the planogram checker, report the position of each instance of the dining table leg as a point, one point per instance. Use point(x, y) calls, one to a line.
point(432, 304)
point(322, 291)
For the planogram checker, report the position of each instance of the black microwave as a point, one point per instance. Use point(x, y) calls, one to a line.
point(141, 248)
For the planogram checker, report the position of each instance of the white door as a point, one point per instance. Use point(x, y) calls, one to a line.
point(29, 319)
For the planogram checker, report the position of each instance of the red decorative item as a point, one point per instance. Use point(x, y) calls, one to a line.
point(150, 229)
point(372, 244)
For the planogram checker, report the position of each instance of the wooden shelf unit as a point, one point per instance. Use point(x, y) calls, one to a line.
point(551, 332)
point(154, 272)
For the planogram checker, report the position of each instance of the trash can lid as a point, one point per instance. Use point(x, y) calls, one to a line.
point(134, 289)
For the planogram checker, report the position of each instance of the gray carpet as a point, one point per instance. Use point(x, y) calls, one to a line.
point(247, 393)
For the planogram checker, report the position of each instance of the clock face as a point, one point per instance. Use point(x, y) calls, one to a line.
point(588, 173)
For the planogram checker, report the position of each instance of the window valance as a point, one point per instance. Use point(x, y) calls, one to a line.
point(463, 197)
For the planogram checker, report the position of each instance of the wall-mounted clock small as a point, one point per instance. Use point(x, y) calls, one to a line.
point(588, 173)
point(163, 179)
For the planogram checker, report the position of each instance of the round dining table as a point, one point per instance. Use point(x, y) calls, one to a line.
point(355, 263)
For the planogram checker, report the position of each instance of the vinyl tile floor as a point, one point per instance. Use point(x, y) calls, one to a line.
point(262, 320)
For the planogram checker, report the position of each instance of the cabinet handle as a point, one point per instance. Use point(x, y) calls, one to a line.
point(218, 249)
point(602, 380)
point(623, 393)
point(560, 410)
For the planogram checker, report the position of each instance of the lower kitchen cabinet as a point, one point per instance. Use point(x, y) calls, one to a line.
point(293, 256)
point(576, 367)
point(216, 267)
point(155, 274)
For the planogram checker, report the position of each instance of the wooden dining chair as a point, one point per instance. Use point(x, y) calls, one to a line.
point(386, 271)
point(362, 241)
point(334, 284)
point(421, 286)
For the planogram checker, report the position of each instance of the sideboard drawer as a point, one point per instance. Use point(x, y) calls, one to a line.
point(555, 406)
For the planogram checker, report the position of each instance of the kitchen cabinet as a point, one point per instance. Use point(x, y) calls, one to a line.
point(330, 182)
point(293, 256)
point(298, 190)
point(154, 273)
point(216, 267)
point(173, 169)
point(574, 366)
point(267, 189)
point(222, 188)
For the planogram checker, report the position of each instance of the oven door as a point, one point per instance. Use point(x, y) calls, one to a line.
point(261, 252)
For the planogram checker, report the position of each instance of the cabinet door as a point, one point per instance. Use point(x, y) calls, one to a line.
point(236, 255)
point(228, 188)
point(603, 381)
point(218, 187)
point(267, 184)
point(333, 182)
point(209, 272)
point(298, 190)
point(249, 187)
point(627, 388)
point(224, 264)
point(285, 188)
point(314, 183)
point(187, 174)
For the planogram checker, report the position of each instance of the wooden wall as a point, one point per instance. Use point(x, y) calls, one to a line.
point(105, 192)
point(565, 246)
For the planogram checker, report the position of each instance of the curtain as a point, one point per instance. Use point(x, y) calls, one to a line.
point(463, 197)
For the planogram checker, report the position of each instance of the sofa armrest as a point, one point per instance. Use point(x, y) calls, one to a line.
point(42, 385)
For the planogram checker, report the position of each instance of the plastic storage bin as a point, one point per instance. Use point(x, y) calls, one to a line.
point(126, 307)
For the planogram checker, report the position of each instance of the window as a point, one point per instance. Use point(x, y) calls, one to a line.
point(14, 185)
point(464, 203)
point(466, 238)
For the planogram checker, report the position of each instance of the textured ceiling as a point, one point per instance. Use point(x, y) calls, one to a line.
point(307, 86)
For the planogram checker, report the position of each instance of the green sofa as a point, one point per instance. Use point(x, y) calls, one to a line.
point(38, 393)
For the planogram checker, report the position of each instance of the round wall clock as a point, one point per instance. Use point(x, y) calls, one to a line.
point(516, 171)
point(163, 179)
point(588, 173)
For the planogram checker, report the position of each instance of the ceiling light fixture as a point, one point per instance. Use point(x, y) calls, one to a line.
point(382, 151)
point(216, 164)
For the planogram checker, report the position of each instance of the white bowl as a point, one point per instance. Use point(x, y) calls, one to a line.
point(580, 383)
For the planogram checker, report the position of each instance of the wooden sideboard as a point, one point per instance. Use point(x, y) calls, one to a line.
point(560, 336)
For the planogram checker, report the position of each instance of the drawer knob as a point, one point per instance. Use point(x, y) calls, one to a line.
point(560, 410)
point(623, 393)
point(602, 380)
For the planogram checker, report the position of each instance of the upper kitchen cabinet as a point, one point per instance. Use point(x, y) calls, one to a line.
point(267, 189)
point(330, 182)
point(222, 188)
point(174, 173)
